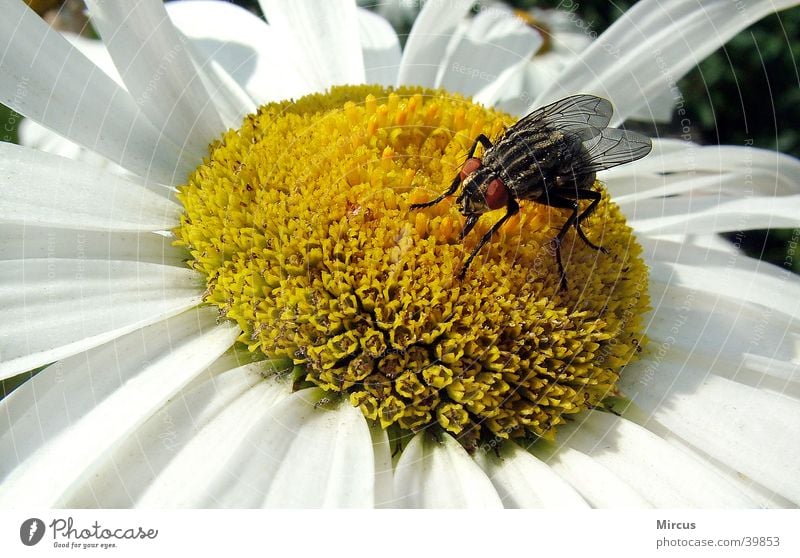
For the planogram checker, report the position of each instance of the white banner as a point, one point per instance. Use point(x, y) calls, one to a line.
point(400, 533)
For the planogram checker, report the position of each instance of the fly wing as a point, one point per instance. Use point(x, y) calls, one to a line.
point(612, 147)
point(582, 116)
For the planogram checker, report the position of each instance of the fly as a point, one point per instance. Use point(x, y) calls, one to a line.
point(550, 156)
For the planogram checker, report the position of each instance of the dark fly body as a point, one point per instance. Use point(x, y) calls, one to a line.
point(550, 156)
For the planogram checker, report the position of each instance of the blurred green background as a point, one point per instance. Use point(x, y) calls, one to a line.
point(749, 89)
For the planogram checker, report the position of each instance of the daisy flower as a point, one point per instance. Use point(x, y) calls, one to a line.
point(238, 307)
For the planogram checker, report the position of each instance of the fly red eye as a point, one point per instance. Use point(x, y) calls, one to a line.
point(471, 165)
point(496, 194)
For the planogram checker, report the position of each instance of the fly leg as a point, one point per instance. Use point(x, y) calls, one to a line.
point(585, 194)
point(449, 192)
point(574, 220)
point(481, 139)
point(511, 209)
point(563, 203)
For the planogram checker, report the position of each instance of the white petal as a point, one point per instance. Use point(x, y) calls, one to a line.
point(300, 456)
point(27, 242)
point(243, 45)
point(400, 13)
point(522, 481)
point(54, 308)
point(759, 345)
point(750, 429)
point(721, 277)
point(671, 156)
point(760, 496)
point(380, 48)
point(151, 56)
point(568, 37)
point(32, 134)
point(711, 214)
point(45, 78)
point(674, 248)
point(630, 189)
point(84, 406)
point(95, 51)
point(384, 472)
point(713, 242)
point(675, 167)
point(666, 146)
point(322, 38)
point(170, 460)
point(233, 103)
point(515, 89)
point(661, 251)
point(659, 108)
point(600, 487)
point(440, 474)
point(427, 43)
point(734, 282)
point(665, 475)
point(44, 189)
point(493, 41)
point(653, 45)
point(771, 375)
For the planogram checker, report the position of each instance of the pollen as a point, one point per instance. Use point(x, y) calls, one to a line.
point(301, 223)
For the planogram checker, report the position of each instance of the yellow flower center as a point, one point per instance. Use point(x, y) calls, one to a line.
point(301, 222)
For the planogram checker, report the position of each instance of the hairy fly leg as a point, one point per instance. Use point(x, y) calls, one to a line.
point(511, 209)
point(563, 203)
point(584, 194)
point(574, 220)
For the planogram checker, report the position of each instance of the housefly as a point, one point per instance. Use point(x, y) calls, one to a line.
point(550, 156)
